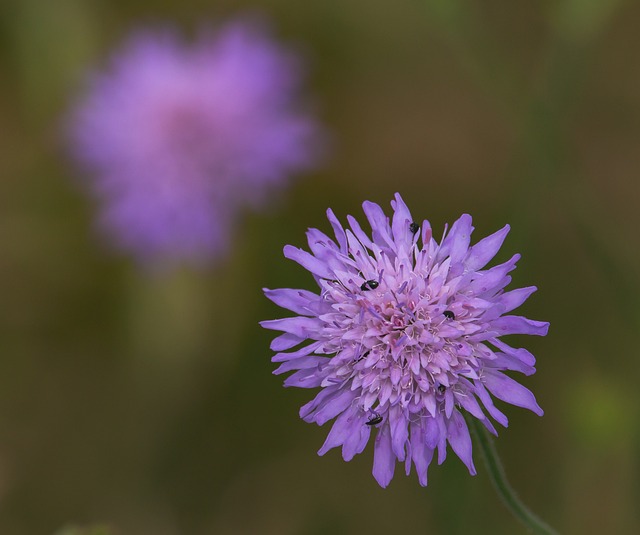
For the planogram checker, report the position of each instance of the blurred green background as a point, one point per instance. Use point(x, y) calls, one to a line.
point(147, 404)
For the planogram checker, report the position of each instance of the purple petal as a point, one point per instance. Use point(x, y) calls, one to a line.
point(426, 234)
point(513, 299)
point(520, 353)
point(408, 459)
point(401, 222)
point(338, 230)
point(456, 244)
point(345, 425)
point(421, 453)
point(399, 431)
point(494, 278)
point(442, 441)
point(308, 261)
point(379, 225)
point(468, 402)
point(310, 378)
point(285, 341)
point(507, 362)
point(384, 461)
point(487, 423)
point(448, 403)
point(302, 363)
point(320, 244)
point(358, 232)
point(432, 434)
point(508, 390)
point(301, 327)
point(297, 301)
point(493, 312)
point(358, 251)
point(520, 325)
point(334, 406)
point(357, 441)
point(377, 219)
point(302, 352)
point(460, 440)
point(495, 413)
point(483, 251)
point(322, 397)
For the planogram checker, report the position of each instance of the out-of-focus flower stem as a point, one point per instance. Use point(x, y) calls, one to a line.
point(501, 484)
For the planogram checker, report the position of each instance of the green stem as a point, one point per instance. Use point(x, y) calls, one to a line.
point(501, 484)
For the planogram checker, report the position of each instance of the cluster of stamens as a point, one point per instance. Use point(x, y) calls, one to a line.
point(396, 346)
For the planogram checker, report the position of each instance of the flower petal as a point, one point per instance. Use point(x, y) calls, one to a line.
point(456, 244)
point(483, 251)
point(399, 431)
point(508, 390)
point(384, 461)
point(421, 453)
point(285, 341)
point(302, 327)
point(432, 434)
point(357, 441)
point(321, 245)
point(323, 396)
point(345, 425)
point(310, 378)
point(308, 261)
point(520, 353)
point(359, 233)
point(400, 225)
point(492, 279)
point(338, 230)
point(460, 440)
point(513, 299)
point(379, 225)
point(520, 325)
point(302, 352)
point(442, 441)
point(297, 301)
point(302, 363)
point(507, 362)
point(334, 406)
point(495, 413)
point(469, 403)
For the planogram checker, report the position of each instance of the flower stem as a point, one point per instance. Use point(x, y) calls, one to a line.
point(501, 484)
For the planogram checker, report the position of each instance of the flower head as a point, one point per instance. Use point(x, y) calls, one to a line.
point(179, 137)
point(403, 337)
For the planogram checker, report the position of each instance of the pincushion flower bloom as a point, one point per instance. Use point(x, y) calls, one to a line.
point(177, 138)
point(403, 337)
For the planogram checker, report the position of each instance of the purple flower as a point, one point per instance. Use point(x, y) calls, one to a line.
point(178, 138)
point(403, 336)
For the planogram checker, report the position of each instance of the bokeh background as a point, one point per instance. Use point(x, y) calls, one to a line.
point(146, 403)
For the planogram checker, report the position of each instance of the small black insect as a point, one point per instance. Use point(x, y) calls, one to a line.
point(369, 285)
point(441, 389)
point(448, 314)
point(374, 420)
point(414, 227)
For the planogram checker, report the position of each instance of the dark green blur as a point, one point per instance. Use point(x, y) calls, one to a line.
point(146, 403)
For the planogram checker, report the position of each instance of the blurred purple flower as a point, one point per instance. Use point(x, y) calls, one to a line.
point(403, 337)
point(177, 138)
